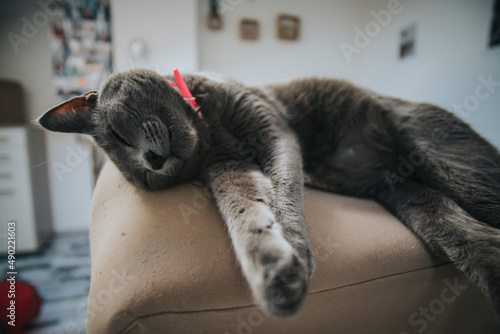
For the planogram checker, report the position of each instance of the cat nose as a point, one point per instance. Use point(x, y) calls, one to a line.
point(155, 160)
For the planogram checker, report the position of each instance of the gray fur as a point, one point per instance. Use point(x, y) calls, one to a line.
point(254, 147)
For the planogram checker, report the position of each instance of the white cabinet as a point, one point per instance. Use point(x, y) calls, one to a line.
point(24, 195)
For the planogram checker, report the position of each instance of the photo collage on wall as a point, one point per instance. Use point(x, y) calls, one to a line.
point(80, 46)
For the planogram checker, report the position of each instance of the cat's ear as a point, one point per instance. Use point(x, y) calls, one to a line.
point(73, 115)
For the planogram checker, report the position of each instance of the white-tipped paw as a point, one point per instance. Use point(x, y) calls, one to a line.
point(275, 270)
point(278, 276)
point(284, 286)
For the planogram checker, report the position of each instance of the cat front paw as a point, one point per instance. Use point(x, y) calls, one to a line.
point(279, 275)
point(276, 269)
point(304, 249)
point(285, 287)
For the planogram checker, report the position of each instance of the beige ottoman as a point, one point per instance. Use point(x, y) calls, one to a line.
point(162, 262)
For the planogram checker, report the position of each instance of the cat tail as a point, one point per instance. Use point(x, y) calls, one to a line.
point(450, 232)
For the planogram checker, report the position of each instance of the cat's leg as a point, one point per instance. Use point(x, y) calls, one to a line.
point(276, 272)
point(283, 167)
point(477, 191)
point(450, 231)
point(458, 162)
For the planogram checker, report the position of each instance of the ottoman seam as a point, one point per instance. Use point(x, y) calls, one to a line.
point(130, 326)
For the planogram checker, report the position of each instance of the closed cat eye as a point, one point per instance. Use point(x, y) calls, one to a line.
point(119, 138)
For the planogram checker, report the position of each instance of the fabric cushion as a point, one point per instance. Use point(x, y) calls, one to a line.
point(162, 262)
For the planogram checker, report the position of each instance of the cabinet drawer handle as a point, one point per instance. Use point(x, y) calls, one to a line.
point(4, 139)
point(4, 158)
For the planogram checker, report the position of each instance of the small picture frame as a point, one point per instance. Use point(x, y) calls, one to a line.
point(249, 29)
point(407, 42)
point(288, 27)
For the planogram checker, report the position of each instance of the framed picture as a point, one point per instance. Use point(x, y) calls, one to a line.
point(249, 29)
point(288, 27)
point(407, 41)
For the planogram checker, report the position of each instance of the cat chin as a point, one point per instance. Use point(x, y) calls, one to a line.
point(148, 180)
point(151, 181)
point(164, 178)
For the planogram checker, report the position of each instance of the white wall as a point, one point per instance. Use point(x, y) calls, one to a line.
point(451, 54)
point(167, 28)
point(268, 59)
point(71, 189)
point(451, 50)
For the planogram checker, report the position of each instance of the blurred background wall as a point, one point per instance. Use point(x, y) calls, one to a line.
point(451, 59)
point(324, 23)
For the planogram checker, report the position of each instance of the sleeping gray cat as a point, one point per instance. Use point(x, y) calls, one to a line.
point(254, 147)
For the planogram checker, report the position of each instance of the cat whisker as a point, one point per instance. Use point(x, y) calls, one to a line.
point(113, 63)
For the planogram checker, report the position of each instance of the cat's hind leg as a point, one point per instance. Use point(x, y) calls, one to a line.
point(458, 162)
point(449, 231)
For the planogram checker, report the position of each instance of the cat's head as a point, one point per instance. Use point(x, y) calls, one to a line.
point(141, 122)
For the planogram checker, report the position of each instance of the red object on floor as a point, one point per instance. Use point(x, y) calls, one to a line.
point(19, 304)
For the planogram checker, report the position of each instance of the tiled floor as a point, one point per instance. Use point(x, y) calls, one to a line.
point(61, 273)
